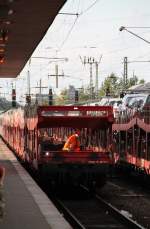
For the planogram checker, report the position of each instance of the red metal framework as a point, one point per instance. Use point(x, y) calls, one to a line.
point(75, 116)
point(37, 134)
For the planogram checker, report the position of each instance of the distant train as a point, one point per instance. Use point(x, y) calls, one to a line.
point(37, 135)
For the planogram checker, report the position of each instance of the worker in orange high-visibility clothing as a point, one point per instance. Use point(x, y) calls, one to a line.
point(73, 142)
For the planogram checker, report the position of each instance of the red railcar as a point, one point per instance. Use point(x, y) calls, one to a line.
point(24, 130)
point(131, 135)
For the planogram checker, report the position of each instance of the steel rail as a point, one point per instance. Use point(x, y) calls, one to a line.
point(68, 215)
point(116, 213)
point(123, 218)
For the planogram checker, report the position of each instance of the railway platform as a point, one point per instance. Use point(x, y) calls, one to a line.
point(27, 206)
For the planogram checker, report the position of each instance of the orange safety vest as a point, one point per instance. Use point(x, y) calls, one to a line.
point(72, 143)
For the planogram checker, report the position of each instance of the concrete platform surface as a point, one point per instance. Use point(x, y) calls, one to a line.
point(27, 206)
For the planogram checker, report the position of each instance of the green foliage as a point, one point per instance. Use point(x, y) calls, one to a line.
point(142, 81)
point(62, 98)
point(115, 84)
point(84, 94)
point(112, 84)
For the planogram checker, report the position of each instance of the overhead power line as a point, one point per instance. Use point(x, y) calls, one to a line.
point(89, 7)
point(77, 16)
point(68, 34)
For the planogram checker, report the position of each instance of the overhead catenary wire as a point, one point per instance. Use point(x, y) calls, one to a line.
point(111, 54)
point(77, 16)
point(68, 34)
point(89, 7)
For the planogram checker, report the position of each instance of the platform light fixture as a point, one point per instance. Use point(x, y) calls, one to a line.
point(5, 22)
point(5, 11)
point(3, 35)
point(2, 45)
point(2, 50)
point(134, 34)
point(1, 59)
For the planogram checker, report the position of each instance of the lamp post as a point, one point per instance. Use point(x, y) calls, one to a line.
point(125, 59)
point(136, 35)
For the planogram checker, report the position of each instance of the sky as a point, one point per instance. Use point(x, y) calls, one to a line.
point(90, 28)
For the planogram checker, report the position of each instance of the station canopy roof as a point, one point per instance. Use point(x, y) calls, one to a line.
point(23, 24)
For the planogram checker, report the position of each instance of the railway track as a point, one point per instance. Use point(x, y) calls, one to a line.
point(94, 212)
point(130, 198)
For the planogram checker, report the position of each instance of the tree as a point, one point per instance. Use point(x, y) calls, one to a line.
point(114, 85)
point(142, 81)
point(62, 98)
point(110, 85)
point(84, 94)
